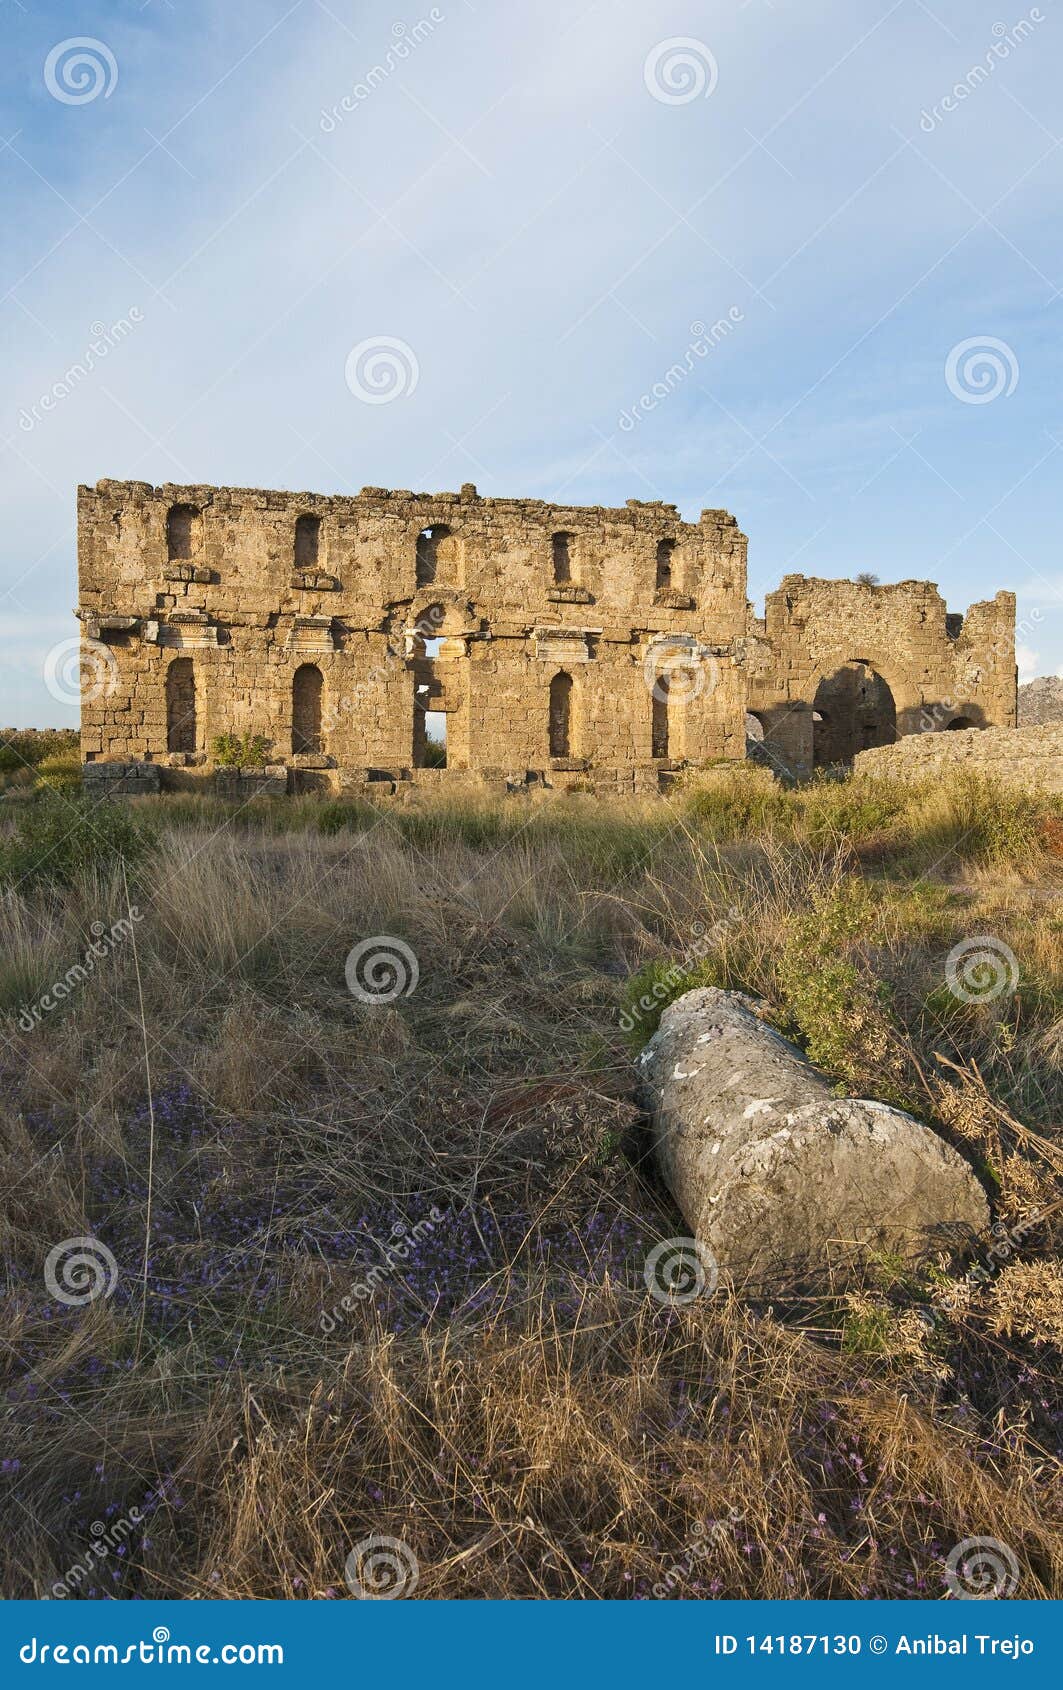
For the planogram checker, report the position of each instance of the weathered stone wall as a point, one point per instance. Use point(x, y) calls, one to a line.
point(1028, 757)
point(571, 645)
point(481, 618)
point(834, 639)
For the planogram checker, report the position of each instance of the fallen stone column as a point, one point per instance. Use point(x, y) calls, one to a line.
point(779, 1178)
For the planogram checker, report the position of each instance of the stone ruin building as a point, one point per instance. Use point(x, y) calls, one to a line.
point(393, 637)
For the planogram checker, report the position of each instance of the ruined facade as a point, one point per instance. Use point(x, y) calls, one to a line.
point(392, 636)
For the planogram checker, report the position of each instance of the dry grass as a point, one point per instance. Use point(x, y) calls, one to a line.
point(507, 1399)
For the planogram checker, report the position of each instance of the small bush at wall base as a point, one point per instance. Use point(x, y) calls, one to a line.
point(240, 751)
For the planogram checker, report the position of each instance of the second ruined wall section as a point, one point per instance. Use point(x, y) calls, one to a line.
point(941, 670)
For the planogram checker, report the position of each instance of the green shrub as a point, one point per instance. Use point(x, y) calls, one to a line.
point(345, 813)
point(648, 993)
point(745, 803)
point(58, 838)
point(60, 772)
point(23, 750)
point(240, 751)
point(832, 998)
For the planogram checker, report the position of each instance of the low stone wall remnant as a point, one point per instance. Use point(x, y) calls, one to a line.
point(1028, 757)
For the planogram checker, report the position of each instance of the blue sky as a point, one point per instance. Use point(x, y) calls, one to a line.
point(538, 201)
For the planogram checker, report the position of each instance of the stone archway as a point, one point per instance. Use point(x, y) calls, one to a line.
point(181, 706)
point(308, 686)
point(853, 710)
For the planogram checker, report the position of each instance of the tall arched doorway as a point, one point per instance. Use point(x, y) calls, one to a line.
point(181, 705)
point(659, 726)
point(561, 715)
point(307, 688)
point(853, 710)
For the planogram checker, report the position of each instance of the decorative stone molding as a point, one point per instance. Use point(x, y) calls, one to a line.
point(188, 630)
point(311, 634)
point(563, 645)
point(570, 593)
point(309, 581)
point(188, 572)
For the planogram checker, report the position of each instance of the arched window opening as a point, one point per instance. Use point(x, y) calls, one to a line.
point(181, 706)
point(561, 715)
point(435, 739)
point(437, 556)
point(754, 729)
point(853, 710)
point(659, 724)
point(959, 722)
point(561, 550)
point(429, 730)
point(182, 533)
point(308, 686)
point(307, 541)
point(665, 554)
